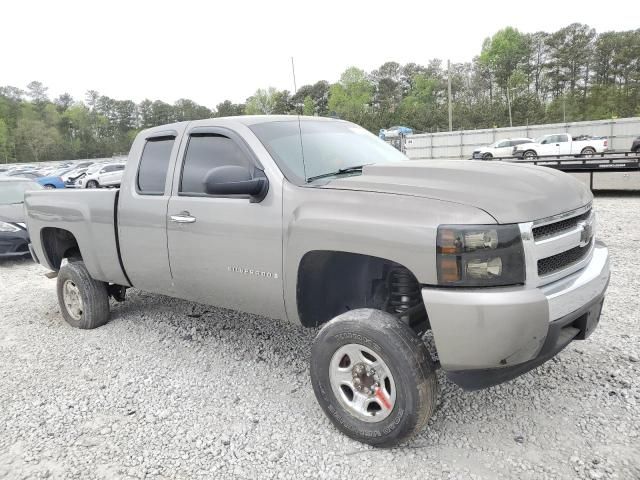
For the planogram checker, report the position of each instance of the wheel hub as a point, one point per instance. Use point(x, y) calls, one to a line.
point(362, 382)
point(72, 299)
point(364, 379)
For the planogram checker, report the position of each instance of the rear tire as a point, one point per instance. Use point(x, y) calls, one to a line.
point(48, 186)
point(84, 301)
point(587, 152)
point(396, 362)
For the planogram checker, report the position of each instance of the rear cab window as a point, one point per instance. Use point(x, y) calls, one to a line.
point(154, 163)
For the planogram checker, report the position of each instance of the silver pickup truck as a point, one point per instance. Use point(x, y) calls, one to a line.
point(321, 223)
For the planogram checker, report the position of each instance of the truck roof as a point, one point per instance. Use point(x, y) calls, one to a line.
point(243, 119)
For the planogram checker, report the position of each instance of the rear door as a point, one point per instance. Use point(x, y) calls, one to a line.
point(223, 250)
point(142, 211)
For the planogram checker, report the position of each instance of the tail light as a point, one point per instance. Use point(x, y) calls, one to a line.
point(606, 143)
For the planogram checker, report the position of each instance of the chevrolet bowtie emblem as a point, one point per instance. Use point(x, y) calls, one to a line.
point(586, 232)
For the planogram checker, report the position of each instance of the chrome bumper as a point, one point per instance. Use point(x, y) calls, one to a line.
point(500, 327)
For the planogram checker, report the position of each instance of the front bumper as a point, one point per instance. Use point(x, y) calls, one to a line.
point(488, 336)
point(14, 244)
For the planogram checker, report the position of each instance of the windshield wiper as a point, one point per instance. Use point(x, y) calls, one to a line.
point(356, 168)
point(15, 203)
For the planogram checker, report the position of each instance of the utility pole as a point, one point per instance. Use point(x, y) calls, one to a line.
point(449, 90)
point(509, 103)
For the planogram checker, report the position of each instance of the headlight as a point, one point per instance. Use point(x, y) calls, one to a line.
point(480, 255)
point(7, 227)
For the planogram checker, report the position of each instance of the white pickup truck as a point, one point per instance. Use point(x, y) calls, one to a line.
point(561, 144)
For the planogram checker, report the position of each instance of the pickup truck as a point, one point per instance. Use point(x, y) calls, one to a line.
point(321, 223)
point(561, 144)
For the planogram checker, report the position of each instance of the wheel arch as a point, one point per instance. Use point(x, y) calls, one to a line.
point(331, 282)
point(58, 244)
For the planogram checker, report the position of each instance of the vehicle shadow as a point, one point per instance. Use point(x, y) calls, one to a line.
point(16, 261)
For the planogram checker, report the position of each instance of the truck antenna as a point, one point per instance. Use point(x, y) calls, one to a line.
point(295, 91)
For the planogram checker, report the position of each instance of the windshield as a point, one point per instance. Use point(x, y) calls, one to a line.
point(328, 146)
point(13, 192)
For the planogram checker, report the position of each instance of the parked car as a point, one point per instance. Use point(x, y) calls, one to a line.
point(501, 148)
point(499, 261)
point(561, 144)
point(635, 146)
point(72, 177)
point(14, 237)
point(106, 175)
point(54, 179)
point(393, 132)
point(30, 174)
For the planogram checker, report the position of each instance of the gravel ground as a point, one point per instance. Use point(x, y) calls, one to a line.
point(172, 389)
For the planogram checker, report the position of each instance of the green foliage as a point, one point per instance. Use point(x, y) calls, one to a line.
point(351, 97)
point(309, 107)
point(571, 74)
point(263, 102)
point(4, 142)
point(504, 54)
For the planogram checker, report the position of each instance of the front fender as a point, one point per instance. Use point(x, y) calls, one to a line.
point(399, 228)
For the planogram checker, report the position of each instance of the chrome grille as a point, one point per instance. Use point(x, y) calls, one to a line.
point(552, 229)
point(558, 246)
point(563, 260)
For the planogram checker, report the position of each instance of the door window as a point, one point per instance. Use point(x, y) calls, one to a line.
point(205, 152)
point(152, 172)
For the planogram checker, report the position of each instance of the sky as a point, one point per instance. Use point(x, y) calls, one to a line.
point(209, 51)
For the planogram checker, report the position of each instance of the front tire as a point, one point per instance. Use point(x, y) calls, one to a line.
point(92, 184)
point(487, 156)
point(530, 155)
point(48, 186)
point(84, 301)
point(373, 377)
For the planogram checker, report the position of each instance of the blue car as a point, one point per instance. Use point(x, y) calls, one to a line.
point(394, 132)
point(54, 180)
point(50, 182)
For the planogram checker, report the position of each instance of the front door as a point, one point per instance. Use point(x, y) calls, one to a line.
point(223, 250)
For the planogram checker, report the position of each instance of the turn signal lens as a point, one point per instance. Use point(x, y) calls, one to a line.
point(484, 268)
point(449, 269)
point(448, 241)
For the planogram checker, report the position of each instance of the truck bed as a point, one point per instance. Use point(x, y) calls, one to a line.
point(90, 216)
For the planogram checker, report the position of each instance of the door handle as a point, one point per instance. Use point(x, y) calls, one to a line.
point(183, 217)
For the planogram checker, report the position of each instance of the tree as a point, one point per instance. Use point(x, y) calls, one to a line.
point(504, 53)
point(63, 102)
point(4, 142)
point(351, 97)
point(37, 92)
point(229, 109)
point(309, 107)
point(36, 138)
point(262, 102)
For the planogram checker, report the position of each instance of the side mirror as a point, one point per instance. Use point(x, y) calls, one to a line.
point(236, 180)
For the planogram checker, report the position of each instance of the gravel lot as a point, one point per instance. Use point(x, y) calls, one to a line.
point(172, 389)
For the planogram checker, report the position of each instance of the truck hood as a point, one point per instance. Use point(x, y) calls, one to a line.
point(509, 192)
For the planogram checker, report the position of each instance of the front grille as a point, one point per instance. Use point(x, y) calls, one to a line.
point(562, 260)
point(552, 229)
